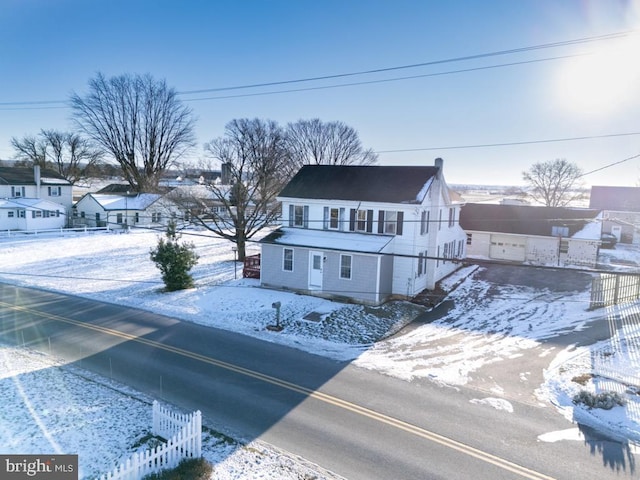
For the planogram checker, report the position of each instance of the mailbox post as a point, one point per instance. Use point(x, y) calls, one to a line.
point(277, 327)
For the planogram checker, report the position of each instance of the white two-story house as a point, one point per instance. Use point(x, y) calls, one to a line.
point(364, 233)
point(33, 199)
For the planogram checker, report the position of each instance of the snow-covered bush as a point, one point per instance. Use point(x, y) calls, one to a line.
point(604, 400)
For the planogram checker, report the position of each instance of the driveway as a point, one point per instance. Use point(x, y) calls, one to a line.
point(496, 333)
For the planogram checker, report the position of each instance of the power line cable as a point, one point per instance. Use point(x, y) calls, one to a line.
point(578, 41)
point(507, 144)
point(610, 36)
point(16, 105)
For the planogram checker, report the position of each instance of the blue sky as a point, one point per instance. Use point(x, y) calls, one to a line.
point(50, 48)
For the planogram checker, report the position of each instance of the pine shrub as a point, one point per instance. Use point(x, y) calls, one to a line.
point(174, 260)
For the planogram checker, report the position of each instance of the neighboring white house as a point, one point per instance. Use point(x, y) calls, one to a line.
point(121, 210)
point(364, 233)
point(42, 195)
point(535, 235)
point(31, 214)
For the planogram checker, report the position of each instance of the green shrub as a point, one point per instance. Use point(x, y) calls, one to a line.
point(188, 469)
point(174, 259)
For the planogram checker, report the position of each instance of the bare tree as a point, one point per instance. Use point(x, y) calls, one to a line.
point(67, 153)
point(554, 183)
point(30, 149)
point(252, 154)
point(325, 143)
point(139, 121)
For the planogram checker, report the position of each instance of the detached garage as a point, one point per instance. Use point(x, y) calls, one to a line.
point(535, 235)
point(508, 247)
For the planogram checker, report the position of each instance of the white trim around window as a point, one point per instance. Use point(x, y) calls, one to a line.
point(346, 266)
point(287, 259)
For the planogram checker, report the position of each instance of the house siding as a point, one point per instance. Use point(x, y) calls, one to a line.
point(363, 283)
point(273, 275)
point(362, 286)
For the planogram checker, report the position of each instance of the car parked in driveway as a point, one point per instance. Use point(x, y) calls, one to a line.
point(608, 240)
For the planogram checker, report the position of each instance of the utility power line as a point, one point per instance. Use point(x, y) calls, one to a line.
point(508, 144)
point(610, 36)
point(578, 41)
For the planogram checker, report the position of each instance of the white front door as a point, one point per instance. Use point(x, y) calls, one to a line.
point(315, 270)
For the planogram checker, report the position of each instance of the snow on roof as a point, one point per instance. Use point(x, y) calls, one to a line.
point(591, 231)
point(54, 181)
point(423, 191)
point(140, 201)
point(26, 203)
point(347, 241)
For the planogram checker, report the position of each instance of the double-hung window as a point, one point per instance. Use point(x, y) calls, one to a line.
point(334, 218)
point(17, 192)
point(361, 220)
point(390, 222)
point(424, 222)
point(55, 191)
point(299, 216)
point(287, 259)
point(345, 266)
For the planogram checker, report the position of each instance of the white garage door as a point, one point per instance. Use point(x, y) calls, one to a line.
point(505, 247)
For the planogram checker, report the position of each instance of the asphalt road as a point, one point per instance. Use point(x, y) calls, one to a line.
point(358, 423)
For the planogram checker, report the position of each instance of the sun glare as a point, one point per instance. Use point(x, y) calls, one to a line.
point(603, 81)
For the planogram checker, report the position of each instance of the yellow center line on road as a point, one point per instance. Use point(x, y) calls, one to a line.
point(338, 402)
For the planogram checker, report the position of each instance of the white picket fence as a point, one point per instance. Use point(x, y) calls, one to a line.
point(184, 434)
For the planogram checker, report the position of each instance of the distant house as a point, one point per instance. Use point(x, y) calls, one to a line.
point(621, 211)
point(535, 235)
point(31, 214)
point(364, 233)
point(116, 209)
point(40, 194)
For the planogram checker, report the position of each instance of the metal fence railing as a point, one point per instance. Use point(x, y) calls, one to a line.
point(614, 289)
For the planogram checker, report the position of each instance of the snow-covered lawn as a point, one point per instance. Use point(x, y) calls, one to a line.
point(480, 330)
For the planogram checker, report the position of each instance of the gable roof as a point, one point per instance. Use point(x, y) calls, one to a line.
point(524, 220)
point(140, 201)
point(28, 203)
point(388, 184)
point(126, 189)
point(25, 176)
point(620, 199)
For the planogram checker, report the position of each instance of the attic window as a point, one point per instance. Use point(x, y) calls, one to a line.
point(559, 231)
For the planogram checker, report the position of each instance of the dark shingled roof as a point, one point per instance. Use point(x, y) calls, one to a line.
point(359, 183)
point(24, 176)
point(523, 220)
point(619, 199)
